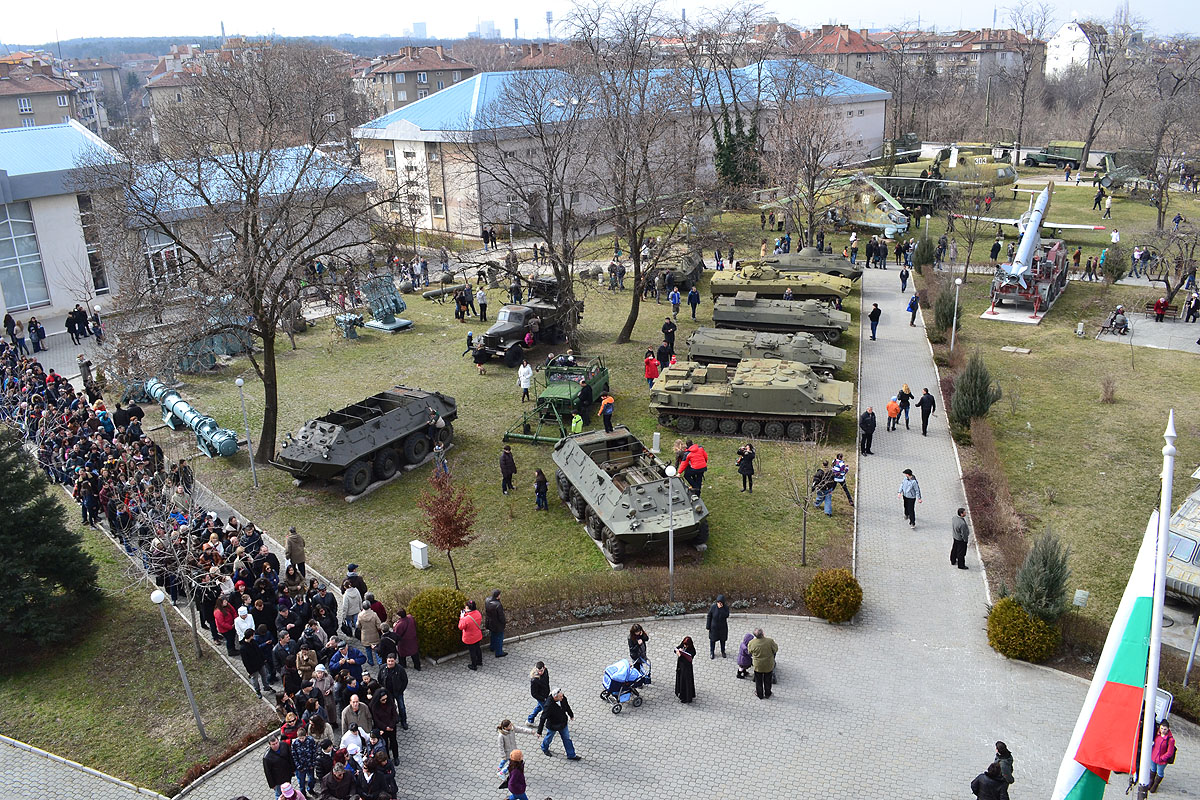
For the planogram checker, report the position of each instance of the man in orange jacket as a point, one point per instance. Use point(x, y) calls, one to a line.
point(893, 412)
point(606, 411)
point(695, 463)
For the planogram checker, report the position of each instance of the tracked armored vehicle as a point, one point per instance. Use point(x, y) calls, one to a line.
point(758, 397)
point(810, 259)
point(718, 346)
point(619, 490)
point(746, 311)
point(771, 283)
point(370, 440)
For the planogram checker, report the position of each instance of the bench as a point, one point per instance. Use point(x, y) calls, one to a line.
point(1172, 311)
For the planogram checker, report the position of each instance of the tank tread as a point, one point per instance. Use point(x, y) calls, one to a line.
point(823, 333)
point(810, 421)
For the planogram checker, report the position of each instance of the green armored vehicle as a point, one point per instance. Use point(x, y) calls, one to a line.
point(758, 397)
point(370, 439)
point(619, 490)
point(572, 383)
point(770, 282)
point(747, 312)
point(718, 346)
point(810, 259)
point(683, 274)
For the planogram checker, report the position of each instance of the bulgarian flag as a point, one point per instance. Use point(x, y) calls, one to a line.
point(1106, 734)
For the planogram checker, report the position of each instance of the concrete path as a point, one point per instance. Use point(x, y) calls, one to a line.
point(27, 772)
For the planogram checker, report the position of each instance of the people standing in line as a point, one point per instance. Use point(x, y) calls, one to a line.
point(393, 679)
point(638, 658)
point(516, 776)
point(277, 764)
point(762, 652)
point(496, 622)
point(717, 625)
point(651, 367)
point(910, 495)
point(914, 304)
point(508, 469)
point(989, 785)
point(840, 470)
point(407, 645)
point(685, 678)
point(744, 661)
point(1161, 754)
point(607, 404)
point(893, 414)
point(525, 380)
point(470, 622)
point(745, 466)
point(927, 405)
point(540, 489)
point(539, 689)
point(693, 298)
point(904, 273)
point(874, 316)
point(555, 717)
point(866, 424)
point(961, 533)
point(905, 397)
point(1004, 759)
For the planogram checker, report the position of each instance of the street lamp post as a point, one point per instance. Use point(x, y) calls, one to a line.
point(246, 422)
point(671, 472)
point(510, 205)
point(157, 597)
point(927, 218)
point(954, 322)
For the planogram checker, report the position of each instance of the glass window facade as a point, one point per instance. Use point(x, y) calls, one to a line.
point(21, 276)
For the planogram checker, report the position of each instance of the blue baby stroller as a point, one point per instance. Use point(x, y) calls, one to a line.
point(621, 683)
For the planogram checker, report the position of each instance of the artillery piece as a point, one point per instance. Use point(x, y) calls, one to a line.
point(385, 303)
point(177, 413)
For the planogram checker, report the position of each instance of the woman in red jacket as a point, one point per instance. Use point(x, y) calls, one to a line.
point(470, 622)
point(1161, 754)
point(651, 367)
point(224, 615)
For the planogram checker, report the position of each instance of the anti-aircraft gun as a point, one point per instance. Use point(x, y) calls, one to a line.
point(177, 413)
point(385, 303)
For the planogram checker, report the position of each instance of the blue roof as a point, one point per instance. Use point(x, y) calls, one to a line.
point(456, 108)
point(39, 161)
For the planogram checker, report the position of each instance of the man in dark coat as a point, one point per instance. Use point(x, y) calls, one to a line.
point(508, 468)
point(255, 662)
point(539, 689)
point(668, 329)
point(866, 423)
point(663, 356)
point(394, 679)
point(718, 626)
point(927, 405)
point(493, 611)
point(989, 785)
point(555, 715)
point(277, 762)
point(874, 316)
point(338, 784)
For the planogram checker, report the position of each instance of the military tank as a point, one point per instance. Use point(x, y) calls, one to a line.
point(771, 283)
point(618, 489)
point(746, 311)
point(810, 259)
point(371, 439)
point(758, 397)
point(718, 346)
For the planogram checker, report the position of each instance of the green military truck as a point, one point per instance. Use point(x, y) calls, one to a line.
point(1057, 154)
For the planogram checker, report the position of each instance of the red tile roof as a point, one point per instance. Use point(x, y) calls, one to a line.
point(838, 40)
point(419, 58)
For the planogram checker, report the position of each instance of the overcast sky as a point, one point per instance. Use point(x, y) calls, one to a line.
point(33, 23)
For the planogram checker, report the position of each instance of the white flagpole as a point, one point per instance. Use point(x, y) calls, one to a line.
point(1156, 626)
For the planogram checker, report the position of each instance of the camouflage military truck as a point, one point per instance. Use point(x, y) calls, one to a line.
point(371, 439)
point(719, 346)
point(758, 397)
point(769, 282)
point(619, 490)
point(506, 338)
point(745, 311)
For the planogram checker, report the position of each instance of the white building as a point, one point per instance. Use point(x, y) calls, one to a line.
point(1075, 43)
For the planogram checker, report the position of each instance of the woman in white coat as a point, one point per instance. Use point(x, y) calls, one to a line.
point(525, 379)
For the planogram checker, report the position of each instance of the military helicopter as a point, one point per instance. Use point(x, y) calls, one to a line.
point(926, 183)
point(854, 201)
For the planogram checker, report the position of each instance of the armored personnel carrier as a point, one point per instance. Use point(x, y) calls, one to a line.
point(758, 397)
point(747, 312)
point(770, 282)
point(717, 346)
point(619, 490)
point(542, 314)
point(371, 439)
point(683, 274)
point(810, 259)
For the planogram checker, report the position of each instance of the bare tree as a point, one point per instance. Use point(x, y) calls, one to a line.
point(1111, 76)
point(804, 479)
point(965, 208)
point(1031, 20)
point(897, 71)
point(1176, 254)
point(232, 206)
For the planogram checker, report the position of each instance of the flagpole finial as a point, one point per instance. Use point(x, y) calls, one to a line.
point(1169, 435)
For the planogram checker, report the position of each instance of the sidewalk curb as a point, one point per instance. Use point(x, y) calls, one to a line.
point(221, 767)
point(75, 765)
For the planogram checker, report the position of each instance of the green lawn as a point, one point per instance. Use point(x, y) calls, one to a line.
point(515, 544)
point(111, 698)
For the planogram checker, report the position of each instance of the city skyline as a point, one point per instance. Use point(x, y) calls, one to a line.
point(28, 25)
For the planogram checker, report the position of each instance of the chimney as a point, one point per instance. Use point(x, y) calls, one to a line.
point(863, 33)
point(826, 29)
point(441, 51)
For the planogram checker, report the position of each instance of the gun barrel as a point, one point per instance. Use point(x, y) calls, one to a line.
point(211, 438)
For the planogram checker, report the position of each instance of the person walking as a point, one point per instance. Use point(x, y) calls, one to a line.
point(1107, 208)
point(717, 625)
point(675, 300)
point(555, 717)
point(1004, 759)
point(910, 495)
point(866, 424)
point(482, 301)
point(607, 404)
point(745, 466)
point(1161, 754)
point(496, 621)
point(668, 331)
point(525, 380)
point(508, 469)
point(638, 658)
point(651, 367)
point(470, 622)
point(685, 678)
point(540, 487)
point(695, 464)
point(762, 652)
point(961, 532)
point(893, 414)
point(539, 689)
point(506, 734)
point(840, 470)
point(989, 785)
point(516, 776)
point(874, 316)
point(693, 299)
point(927, 405)
point(744, 662)
point(914, 304)
point(904, 274)
point(822, 488)
point(905, 397)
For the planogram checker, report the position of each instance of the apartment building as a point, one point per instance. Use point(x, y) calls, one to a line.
point(1075, 43)
point(972, 55)
point(394, 81)
point(840, 49)
point(32, 94)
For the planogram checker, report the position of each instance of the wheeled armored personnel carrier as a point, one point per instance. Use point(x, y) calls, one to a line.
point(758, 397)
point(718, 346)
point(371, 439)
point(683, 274)
point(619, 490)
point(543, 314)
point(771, 283)
point(810, 259)
point(746, 311)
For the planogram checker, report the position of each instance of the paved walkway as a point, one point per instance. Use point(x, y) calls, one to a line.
point(26, 772)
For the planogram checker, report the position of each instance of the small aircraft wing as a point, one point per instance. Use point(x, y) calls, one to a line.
point(884, 193)
point(1074, 226)
point(994, 220)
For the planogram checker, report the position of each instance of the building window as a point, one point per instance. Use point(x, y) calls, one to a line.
point(389, 159)
point(28, 122)
point(62, 101)
point(66, 119)
point(432, 155)
point(91, 239)
point(422, 93)
point(441, 85)
point(399, 77)
point(410, 154)
point(24, 105)
point(974, 56)
point(179, 97)
point(439, 208)
point(95, 76)
point(21, 277)
point(331, 117)
point(164, 260)
point(457, 75)
point(410, 167)
point(860, 112)
point(422, 77)
point(849, 113)
point(402, 96)
point(867, 58)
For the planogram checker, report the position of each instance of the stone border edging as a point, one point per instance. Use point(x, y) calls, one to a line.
point(219, 767)
point(75, 765)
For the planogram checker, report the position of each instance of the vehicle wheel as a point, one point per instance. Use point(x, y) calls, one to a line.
point(564, 485)
point(1029, 162)
point(446, 434)
point(797, 431)
point(708, 424)
point(385, 463)
point(702, 536)
point(357, 477)
point(1073, 166)
point(664, 419)
point(595, 527)
point(579, 506)
point(616, 709)
point(416, 447)
point(514, 355)
point(774, 430)
point(604, 695)
point(751, 428)
point(616, 549)
point(830, 336)
point(685, 424)
point(728, 426)
point(637, 702)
